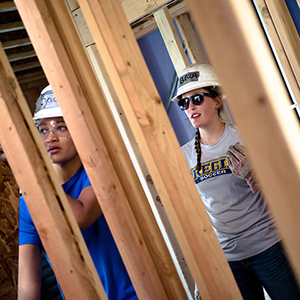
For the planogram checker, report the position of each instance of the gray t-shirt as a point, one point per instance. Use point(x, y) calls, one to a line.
point(240, 218)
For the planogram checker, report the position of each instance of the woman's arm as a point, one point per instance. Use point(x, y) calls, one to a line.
point(29, 285)
point(86, 208)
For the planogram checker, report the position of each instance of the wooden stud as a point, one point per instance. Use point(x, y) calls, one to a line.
point(285, 40)
point(69, 73)
point(159, 147)
point(259, 103)
point(185, 27)
point(174, 46)
point(173, 286)
point(44, 197)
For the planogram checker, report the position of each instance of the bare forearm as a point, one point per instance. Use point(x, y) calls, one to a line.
point(28, 293)
point(29, 282)
point(85, 209)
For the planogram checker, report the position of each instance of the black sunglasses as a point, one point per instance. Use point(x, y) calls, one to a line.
point(197, 99)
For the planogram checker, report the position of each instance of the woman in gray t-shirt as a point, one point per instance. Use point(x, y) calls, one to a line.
point(238, 211)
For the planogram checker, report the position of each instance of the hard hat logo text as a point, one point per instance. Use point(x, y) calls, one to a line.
point(189, 77)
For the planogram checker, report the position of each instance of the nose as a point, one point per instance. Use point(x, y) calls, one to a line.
point(51, 136)
point(192, 105)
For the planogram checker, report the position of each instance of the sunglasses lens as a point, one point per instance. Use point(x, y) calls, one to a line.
point(198, 99)
point(183, 103)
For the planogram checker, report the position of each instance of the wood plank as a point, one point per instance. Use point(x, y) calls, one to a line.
point(130, 182)
point(21, 55)
point(134, 9)
point(285, 40)
point(158, 144)
point(28, 75)
point(16, 43)
point(44, 196)
point(191, 42)
point(141, 29)
point(7, 6)
point(72, 80)
point(167, 272)
point(37, 83)
point(258, 101)
point(170, 36)
point(8, 27)
point(26, 66)
point(287, 33)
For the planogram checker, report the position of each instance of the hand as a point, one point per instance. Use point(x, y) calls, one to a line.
point(239, 164)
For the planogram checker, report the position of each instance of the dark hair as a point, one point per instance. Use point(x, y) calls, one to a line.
point(214, 90)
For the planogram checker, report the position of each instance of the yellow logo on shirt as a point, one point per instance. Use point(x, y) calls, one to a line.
point(211, 169)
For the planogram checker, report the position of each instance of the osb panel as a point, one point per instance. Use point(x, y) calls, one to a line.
point(9, 230)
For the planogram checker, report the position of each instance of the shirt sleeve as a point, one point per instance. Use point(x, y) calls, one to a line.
point(27, 230)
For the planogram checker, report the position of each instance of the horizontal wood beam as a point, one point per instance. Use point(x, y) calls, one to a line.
point(26, 66)
point(8, 27)
point(137, 10)
point(16, 43)
point(7, 6)
point(149, 25)
point(35, 83)
point(21, 55)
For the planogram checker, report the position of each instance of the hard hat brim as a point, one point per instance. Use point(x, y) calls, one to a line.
point(193, 86)
point(48, 113)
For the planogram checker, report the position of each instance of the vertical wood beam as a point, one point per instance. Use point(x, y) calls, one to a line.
point(78, 94)
point(44, 196)
point(158, 144)
point(172, 285)
point(258, 100)
point(120, 158)
point(190, 40)
point(172, 41)
point(103, 114)
point(285, 40)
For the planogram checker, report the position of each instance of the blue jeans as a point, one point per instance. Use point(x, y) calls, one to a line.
point(269, 269)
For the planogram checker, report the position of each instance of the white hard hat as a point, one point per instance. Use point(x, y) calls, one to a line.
point(46, 105)
point(196, 76)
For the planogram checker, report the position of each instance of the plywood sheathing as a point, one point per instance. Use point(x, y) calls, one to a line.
point(9, 228)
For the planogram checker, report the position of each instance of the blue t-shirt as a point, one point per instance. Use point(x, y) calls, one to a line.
point(99, 241)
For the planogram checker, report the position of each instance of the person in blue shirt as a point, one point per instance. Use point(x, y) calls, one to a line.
point(34, 267)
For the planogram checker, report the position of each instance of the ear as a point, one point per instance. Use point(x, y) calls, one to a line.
point(218, 101)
